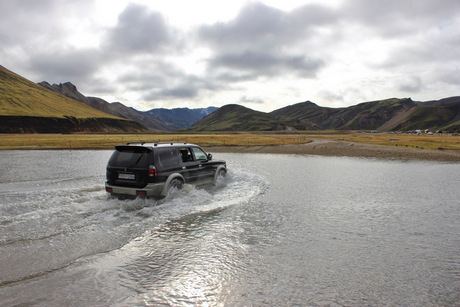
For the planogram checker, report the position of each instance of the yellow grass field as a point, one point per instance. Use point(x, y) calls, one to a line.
point(108, 141)
point(423, 141)
point(101, 141)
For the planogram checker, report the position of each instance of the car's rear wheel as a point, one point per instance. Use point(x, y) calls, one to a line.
point(176, 183)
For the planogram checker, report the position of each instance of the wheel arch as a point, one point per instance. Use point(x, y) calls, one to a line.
point(171, 177)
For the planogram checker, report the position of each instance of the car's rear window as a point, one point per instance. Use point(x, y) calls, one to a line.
point(129, 158)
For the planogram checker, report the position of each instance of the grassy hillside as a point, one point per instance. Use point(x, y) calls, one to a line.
point(239, 118)
point(371, 115)
point(367, 115)
point(21, 97)
point(306, 115)
point(26, 107)
point(384, 115)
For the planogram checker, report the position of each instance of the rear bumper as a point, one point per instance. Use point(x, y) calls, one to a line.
point(151, 190)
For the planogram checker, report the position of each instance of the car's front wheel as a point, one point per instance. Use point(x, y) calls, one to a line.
point(222, 172)
point(220, 175)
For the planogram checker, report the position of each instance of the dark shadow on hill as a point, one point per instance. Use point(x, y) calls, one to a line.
point(31, 124)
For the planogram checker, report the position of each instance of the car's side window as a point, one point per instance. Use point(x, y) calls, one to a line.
point(168, 157)
point(199, 154)
point(186, 154)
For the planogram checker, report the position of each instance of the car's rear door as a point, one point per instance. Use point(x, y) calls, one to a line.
point(167, 162)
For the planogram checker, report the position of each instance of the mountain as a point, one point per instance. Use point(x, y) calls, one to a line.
point(441, 102)
point(178, 118)
point(32, 108)
point(238, 118)
point(28, 107)
point(115, 108)
point(437, 116)
point(383, 115)
point(155, 119)
point(368, 115)
point(306, 115)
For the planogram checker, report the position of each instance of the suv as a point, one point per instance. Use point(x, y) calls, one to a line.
point(151, 169)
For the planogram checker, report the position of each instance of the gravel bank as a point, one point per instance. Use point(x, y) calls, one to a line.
point(342, 148)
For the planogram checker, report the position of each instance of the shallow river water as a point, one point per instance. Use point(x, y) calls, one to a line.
point(280, 230)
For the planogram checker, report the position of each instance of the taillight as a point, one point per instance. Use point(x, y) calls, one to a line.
point(152, 170)
point(108, 189)
point(141, 193)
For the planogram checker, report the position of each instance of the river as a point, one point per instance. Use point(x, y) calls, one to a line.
point(280, 230)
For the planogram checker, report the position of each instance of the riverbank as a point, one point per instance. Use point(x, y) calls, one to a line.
point(351, 144)
point(349, 149)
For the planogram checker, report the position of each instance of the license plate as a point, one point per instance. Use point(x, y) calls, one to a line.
point(126, 176)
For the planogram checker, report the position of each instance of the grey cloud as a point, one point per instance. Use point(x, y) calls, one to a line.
point(246, 99)
point(233, 76)
point(447, 74)
point(411, 85)
point(430, 52)
point(76, 66)
point(100, 86)
point(181, 91)
point(265, 41)
point(154, 76)
point(184, 91)
point(267, 27)
point(452, 78)
point(313, 15)
point(246, 60)
point(26, 22)
point(255, 23)
point(268, 64)
point(141, 31)
point(183, 86)
point(153, 70)
point(397, 18)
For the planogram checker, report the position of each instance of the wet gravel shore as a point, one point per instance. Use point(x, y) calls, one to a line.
point(349, 149)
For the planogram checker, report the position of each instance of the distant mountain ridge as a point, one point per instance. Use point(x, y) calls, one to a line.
point(385, 115)
point(179, 118)
point(155, 119)
point(117, 109)
point(44, 108)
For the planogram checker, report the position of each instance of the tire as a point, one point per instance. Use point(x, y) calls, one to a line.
point(222, 173)
point(220, 176)
point(176, 183)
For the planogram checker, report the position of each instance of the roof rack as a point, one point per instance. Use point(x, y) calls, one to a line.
point(156, 143)
point(172, 143)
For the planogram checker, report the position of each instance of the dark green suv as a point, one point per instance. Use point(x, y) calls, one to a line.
point(151, 169)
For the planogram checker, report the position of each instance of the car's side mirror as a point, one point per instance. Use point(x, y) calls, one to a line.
point(209, 156)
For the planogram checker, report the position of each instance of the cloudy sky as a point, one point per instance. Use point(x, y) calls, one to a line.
point(261, 54)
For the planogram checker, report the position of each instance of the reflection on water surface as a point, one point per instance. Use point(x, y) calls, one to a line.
point(281, 230)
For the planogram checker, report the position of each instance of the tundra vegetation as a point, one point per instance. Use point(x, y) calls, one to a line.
point(107, 141)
